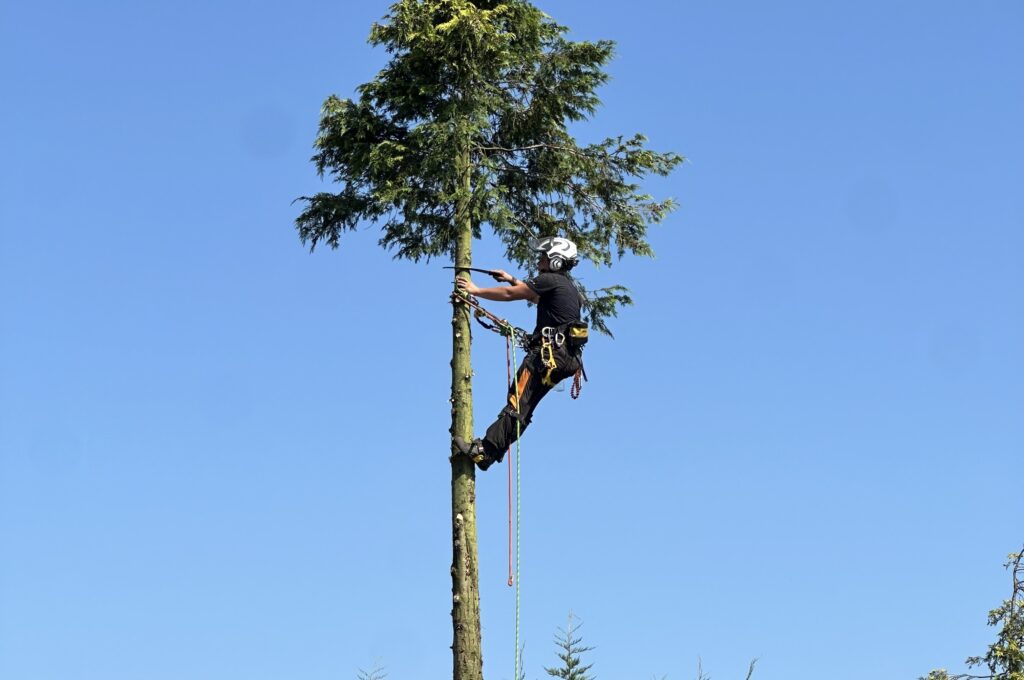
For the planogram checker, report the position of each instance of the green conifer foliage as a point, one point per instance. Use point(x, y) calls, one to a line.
point(570, 651)
point(1005, 657)
point(475, 105)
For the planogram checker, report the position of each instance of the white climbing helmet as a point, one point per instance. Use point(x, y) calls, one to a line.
point(561, 252)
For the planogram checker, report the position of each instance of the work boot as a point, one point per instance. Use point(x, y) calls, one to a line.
point(475, 451)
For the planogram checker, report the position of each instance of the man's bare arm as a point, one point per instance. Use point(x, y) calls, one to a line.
point(517, 291)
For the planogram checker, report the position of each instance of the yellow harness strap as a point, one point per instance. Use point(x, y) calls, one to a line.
point(547, 357)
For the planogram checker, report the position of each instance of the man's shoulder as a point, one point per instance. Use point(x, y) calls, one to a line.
point(550, 279)
point(541, 282)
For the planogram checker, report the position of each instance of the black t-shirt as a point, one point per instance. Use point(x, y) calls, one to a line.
point(559, 300)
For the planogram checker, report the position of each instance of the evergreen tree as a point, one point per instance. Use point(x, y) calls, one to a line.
point(571, 650)
point(1005, 656)
point(466, 127)
point(376, 673)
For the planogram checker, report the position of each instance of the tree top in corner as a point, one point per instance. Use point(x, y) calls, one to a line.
point(473, 109)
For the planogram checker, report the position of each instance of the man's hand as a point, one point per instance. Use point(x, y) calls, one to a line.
point(467, 286)
point(502, 276)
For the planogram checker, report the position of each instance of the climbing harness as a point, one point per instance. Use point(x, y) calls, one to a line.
point(572, 336)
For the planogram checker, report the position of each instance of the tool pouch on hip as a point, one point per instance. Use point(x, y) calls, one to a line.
point(576, 334)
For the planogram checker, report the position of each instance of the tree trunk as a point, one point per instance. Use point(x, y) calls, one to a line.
point(466, 652)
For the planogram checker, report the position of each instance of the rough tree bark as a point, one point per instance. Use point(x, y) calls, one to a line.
point(467, 657)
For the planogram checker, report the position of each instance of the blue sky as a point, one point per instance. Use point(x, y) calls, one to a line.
point(223, 457)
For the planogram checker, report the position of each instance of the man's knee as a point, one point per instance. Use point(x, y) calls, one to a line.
point(513, 414)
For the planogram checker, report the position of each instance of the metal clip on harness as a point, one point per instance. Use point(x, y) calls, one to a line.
point(547, 352)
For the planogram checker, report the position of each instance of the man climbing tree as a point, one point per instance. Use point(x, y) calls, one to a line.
point(466, 127)
point(555, 347)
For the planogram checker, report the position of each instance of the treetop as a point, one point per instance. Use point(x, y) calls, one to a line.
point(473, 110)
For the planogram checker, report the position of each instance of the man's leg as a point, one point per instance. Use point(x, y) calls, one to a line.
point(525, 394)
point(523, 398)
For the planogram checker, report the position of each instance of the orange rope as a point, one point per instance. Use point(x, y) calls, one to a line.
point(508, 452)
point(512, 334)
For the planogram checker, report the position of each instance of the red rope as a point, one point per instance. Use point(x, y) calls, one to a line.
point(508, 452)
